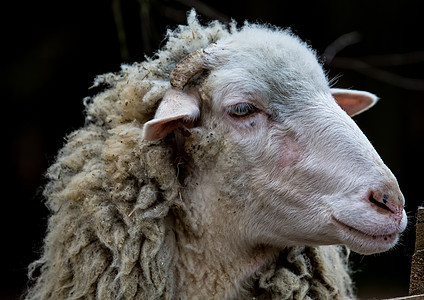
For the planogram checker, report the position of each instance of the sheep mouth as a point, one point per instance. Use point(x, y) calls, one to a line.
point(357, 233)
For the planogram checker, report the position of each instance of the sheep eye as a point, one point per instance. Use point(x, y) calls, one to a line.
point(241, 110)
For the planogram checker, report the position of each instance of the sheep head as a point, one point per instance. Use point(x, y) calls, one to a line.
point(292, 166)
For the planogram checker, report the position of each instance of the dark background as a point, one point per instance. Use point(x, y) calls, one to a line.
point(52, 51)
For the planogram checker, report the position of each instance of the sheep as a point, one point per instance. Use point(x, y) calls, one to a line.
point(224, 167)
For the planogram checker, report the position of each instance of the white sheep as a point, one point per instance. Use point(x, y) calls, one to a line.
point(227, 178)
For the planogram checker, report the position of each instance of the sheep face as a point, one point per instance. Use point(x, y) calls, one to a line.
point(288, 165)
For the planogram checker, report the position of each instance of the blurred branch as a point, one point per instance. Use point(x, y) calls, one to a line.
point(395, 59)
point(145, 24)
point(339, 44)
point(371, 65)
point(377, 73)
point(119, 23)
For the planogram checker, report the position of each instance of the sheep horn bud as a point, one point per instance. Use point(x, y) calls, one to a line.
point(189, 66)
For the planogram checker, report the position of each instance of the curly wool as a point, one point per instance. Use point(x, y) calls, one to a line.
point(308, 273)
point(111, 196)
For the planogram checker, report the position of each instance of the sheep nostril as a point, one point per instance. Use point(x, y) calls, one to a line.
point(378, 200)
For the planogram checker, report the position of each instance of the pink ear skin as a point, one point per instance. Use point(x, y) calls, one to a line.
point(176, 107)
point(354, 102)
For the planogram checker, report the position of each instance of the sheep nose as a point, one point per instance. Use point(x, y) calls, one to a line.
point(387, 201)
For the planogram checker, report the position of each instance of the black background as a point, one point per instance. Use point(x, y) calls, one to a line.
point(52, 51)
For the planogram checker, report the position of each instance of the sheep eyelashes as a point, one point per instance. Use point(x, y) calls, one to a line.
point(239, 175)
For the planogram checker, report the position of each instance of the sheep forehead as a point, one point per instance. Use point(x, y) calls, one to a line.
point(273, 62)
point(254, 35)
point(269, 46)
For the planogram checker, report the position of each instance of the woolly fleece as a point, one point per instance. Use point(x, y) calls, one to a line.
point(111, 195)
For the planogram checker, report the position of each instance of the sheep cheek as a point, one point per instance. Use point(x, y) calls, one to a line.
point(290, 152)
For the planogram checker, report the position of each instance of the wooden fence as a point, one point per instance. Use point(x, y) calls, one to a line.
point(416, 283)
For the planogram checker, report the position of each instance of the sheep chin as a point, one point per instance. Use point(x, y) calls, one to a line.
point(366, 242)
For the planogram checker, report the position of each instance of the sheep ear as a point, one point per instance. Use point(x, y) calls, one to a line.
point(176, 107)
point(354, 102)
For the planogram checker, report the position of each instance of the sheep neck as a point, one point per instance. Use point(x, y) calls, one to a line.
point(213, 261)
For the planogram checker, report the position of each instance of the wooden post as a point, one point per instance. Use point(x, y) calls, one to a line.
point(416, 284)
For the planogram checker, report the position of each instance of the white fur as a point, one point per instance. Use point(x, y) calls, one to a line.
point(298, 171)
